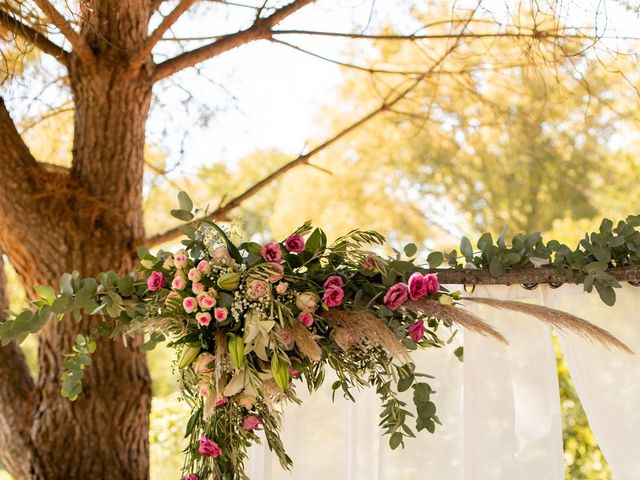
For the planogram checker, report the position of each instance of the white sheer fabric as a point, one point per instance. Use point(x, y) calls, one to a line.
point(608, 382)
point(500, 408)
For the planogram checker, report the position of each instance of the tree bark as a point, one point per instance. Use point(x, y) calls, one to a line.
point(88, 219)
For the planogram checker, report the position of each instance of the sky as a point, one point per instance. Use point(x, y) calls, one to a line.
point(266, 96)
point(273, 96)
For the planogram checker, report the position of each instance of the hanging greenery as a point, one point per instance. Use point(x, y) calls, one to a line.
point(249, 321)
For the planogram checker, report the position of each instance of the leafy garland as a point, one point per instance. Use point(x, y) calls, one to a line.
point(249, 321)
point(587, 263)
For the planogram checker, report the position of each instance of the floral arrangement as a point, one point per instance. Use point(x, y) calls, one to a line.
point(250, 322)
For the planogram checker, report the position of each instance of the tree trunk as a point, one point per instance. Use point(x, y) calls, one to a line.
point(90, 220)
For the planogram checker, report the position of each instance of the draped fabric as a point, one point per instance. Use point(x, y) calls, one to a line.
point(500, 408)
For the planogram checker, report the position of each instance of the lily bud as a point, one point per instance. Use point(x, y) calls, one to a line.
point(236, 351)
point(229, 281)
point(280, 373)
point(188, 355)
point(445, 300)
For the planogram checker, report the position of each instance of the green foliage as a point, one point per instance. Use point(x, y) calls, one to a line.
point(587, 263)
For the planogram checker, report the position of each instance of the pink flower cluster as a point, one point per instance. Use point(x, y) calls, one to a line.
point(209, 448)
point(251, 422)
point(155, 281)
point(333, 293)
point(417, 287)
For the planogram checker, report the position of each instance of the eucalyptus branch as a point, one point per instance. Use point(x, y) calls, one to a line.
point(34, 37)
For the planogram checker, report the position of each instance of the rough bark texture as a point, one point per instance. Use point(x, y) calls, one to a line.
point(90, 220)
point(87, 219)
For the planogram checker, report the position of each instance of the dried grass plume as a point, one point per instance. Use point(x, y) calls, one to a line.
point(357, 326)
point(559, 319)
point(456, 315)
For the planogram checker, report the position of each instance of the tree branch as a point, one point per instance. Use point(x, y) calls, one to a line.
point(261, 29)
point(303, 159)
point(34, 37)
point(535, 34)
point(526, 276)
point(16, 400)
point(141, 56)
point(79, 45)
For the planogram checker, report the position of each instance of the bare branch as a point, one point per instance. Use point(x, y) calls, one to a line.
point(79, 45)
point(303, 159)
point(535, 34)
point(141, 56)
point(34, 37)
point(16, 397)
point(260, 30)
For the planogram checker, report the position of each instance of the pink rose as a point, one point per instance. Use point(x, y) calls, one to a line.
point(192, 476)
point(222, 256)
point(178, 283)
point(271, 252)
point(369, 263)
point(287, 338)
point(396, 296)
point(307, 301)
point(203, 318)
point(257, 289)
point(220, 314)
point(293, 372)
point(197, 287)
point(418, 287)
point(203, 266)
point(306, 318)
point(282, 288)
point(204, 364)
point(433, 285)
point(209, 448)
point(220, 400)
point(333, 281)
point(333, 296)
point(416, 331)
point(155, 281)
point(189, 304)
point(251, 422)
point(294, 243)
point(180, 259)
point(275, 271)
point(194, 275)
point(205, 301)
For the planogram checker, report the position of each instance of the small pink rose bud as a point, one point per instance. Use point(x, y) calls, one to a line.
point(189, 304)
point(306, 318)
point(194, 275)
point(220, 314)
point(282, 288)
point(204, 266)
point(178, 283)
point(203, 318)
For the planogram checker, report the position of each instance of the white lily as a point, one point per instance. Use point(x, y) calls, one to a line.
point(256, 334)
